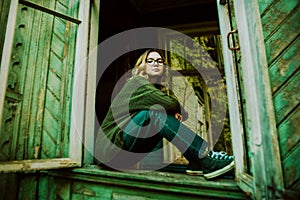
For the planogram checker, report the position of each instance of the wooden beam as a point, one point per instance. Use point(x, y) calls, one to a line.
point(39, 164)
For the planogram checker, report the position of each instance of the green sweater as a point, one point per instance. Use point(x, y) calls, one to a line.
point(136, 95)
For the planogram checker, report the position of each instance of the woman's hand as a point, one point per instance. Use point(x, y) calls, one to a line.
point(178, 117)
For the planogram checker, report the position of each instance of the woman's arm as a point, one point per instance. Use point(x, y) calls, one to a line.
point(148, 95)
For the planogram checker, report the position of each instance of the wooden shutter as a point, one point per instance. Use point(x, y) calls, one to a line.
point(46, 44)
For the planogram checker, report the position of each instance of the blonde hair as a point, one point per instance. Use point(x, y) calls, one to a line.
point(140, 67)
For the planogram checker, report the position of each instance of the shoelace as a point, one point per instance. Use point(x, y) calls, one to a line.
point(222, 155)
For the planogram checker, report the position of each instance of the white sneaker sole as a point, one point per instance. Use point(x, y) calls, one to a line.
point(219, 172)
point(194, 173)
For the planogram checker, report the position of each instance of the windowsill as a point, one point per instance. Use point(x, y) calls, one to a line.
point(155, 180)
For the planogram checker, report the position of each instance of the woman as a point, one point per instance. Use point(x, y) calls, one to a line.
point(143, 113)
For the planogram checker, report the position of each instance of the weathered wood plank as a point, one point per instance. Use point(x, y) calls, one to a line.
point(291, 165)
point(284, 36)
point(47, 187)
point(288, 132)
point(287, 98)
point(264, 5)
point(39, 164)
point(55, 64)
point(276, 15)
point(43, 187)
point(39, 85)
point(287, 64)
point(30, 19)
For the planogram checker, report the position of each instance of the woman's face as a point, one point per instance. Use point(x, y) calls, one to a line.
point(154, 65)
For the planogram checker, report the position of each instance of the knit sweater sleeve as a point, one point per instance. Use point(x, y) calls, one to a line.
point(147, 96)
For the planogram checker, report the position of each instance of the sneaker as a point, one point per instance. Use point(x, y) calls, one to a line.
point(212, 165)
point(216, 163)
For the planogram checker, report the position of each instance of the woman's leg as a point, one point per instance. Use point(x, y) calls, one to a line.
point(147, 129)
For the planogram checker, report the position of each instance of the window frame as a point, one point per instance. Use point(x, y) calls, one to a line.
point(77, 116)
point(266, 163)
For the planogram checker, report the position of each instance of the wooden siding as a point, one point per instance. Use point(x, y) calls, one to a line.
point(280, 20)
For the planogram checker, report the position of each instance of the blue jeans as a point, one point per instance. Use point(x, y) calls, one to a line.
point(147, 129)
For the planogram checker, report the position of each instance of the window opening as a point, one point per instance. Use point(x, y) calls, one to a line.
point(198, 121)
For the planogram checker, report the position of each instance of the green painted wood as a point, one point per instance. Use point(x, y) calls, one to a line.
point(277, 14)
point(291, 169)
point(66, 7)
point(14, 93)
point(288, 131)
point(41, 66)
point(287, 98)
point(40, 84)
point(93, 183)
point(43, 187)
point(260, 114)
point(283, 36)
point(27, 188)
point(284, 68)
point(281, 30)
point(264, 4)
point(62, 188)
point(47, 188)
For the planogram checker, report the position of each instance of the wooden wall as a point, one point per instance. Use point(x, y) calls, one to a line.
point(280, 20)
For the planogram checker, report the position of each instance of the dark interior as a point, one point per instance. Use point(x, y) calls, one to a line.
point(117, 16)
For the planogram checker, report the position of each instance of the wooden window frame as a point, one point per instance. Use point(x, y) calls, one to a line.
point(266, 163)
point(77, 114)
